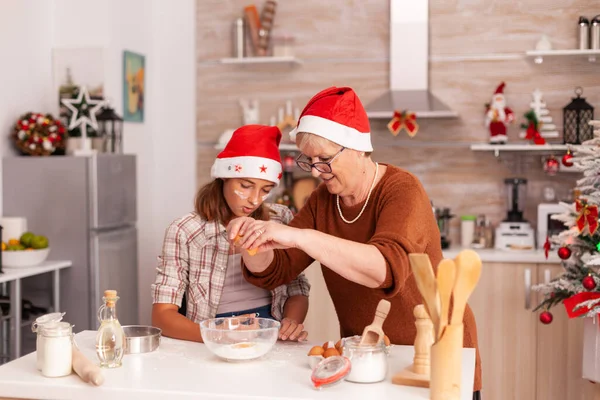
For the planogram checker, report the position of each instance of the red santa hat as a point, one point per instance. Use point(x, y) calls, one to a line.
point(500, 89)
point(338, 115)
point(252, 152)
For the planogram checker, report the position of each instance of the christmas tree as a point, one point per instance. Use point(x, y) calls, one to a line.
point(578, 288)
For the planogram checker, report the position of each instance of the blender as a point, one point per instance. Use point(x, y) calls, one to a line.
point(443, 216)
point(515, 233)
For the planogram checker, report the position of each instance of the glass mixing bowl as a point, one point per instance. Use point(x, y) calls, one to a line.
point(239, 338)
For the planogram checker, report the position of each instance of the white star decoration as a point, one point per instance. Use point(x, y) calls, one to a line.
point(87, 117)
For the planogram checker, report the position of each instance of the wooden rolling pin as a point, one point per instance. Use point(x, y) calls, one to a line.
point(87, 370)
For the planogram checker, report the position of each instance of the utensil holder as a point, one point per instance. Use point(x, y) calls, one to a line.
point(446, 364)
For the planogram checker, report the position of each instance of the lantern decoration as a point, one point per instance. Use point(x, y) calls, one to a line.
point(110, 127)
point(576, 117)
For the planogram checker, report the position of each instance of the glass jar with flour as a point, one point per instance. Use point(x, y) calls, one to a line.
point(57, 347)
point(36, 326)
point(369, 362)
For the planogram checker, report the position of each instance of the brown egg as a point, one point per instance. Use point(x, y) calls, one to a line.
point(327, 345)
point(330, 353)
point(316, 351)
point(338, 346)
point(386, 340)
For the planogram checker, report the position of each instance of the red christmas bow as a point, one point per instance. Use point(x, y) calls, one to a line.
point(577, 299)
point(586, 214)
point(406, 120)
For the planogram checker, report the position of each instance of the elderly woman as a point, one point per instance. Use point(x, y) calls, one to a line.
point(360, 224)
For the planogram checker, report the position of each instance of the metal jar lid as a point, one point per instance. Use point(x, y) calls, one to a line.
point(46, 319)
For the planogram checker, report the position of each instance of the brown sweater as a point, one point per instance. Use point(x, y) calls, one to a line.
point(398, 220)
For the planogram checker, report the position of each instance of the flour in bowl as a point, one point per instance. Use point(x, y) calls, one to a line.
point(242, 351)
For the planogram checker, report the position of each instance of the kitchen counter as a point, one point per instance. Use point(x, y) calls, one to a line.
point(187, 370)
point(506, 256)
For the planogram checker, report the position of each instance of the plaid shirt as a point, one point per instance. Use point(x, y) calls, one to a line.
point(194, 261)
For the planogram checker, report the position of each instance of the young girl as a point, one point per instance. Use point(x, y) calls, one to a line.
point(199, 261)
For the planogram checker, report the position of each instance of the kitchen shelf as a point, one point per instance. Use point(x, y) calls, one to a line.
point(543, 148)
point(261, 60)
point(538, 55)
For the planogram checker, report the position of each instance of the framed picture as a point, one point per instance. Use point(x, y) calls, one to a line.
point(133, 86)
point(75, 67)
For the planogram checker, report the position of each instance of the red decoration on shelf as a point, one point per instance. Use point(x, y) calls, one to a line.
point(551, 166)
point(589, 283)
point(546, 317)
point(403, 120)
point(586, 215)
point(564, 253)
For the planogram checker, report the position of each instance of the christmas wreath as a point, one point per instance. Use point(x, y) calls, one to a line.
point(38, 134)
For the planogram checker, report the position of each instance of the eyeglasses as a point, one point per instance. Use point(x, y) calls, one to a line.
point(321, 166)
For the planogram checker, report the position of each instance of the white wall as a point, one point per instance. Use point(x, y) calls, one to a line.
point(164, 143)
point(25, 42)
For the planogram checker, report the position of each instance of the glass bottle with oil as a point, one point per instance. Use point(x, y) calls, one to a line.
point(110, 339)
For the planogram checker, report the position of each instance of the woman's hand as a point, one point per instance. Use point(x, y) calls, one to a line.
point(292, 330)
point(261, 235)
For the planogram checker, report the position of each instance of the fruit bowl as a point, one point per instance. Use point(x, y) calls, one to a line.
point(24, 258)
point(239, 338)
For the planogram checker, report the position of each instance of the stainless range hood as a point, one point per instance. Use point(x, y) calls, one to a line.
point(409, 65)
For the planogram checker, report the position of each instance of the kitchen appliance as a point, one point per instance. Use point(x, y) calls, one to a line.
point(409, 75)
point(443, 217)
point(515, 233)
point(546, 226)
point(86, 206)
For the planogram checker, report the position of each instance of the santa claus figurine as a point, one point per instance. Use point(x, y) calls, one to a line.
point(498, 116)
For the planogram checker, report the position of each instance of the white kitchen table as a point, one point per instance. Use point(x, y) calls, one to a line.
point(187, 370)
point(13, 277)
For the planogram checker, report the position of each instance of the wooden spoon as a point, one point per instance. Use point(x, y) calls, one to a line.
point(446, 277)
point(468, 272)
point(423, 271)
point(373, 333)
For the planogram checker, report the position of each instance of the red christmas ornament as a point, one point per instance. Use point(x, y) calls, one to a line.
point(588, 283)
point(546, 317)
point(564, 253)
point(551, 166)
point(567, 160)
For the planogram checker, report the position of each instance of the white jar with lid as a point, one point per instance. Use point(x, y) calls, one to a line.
point(37, 326)
point(467, 230)
point(369, 363)
point(57, 348)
